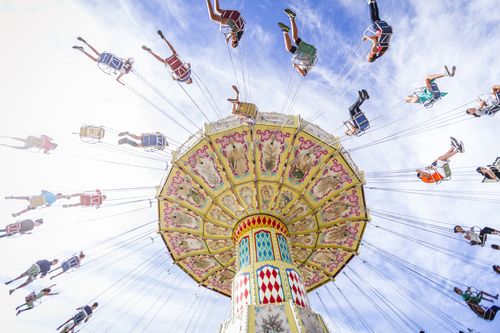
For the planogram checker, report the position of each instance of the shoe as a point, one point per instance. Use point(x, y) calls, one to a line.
point(8, 282)
point(360, 94)
point(18, 312)
point(448, 72)
point(284, 27)
point(235, 88)
point(365, 94)
point(290, 13)
point(15, 215)
point(454, 142)
point(79, 48)
point(11, 291)
point(145, 48)
point(123, 133)
point(461, 147)
point(81, 39)
point(122, 141)
point(11, 197)
point(161, 34)
point(496, 247)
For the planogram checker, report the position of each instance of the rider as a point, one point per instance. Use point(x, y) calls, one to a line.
point(432, 173)
point(41, 267)
point(353, 110)
point(305, 55)
point(101, 57)
point(43, 143)
point(491, 172)
point(20, 227)
point(430, 93)
point(248, 110)
point(87, 200)
point(46, 198)
point(476, 235)
point(383, 33)
point(229, 18)
point(83, 315)
point(33, 297)
point(474, 297)
point(488, 107)
point(496, 269)
point(156, 140)
point(180, 71)
point(487, 314)
point(73, 262)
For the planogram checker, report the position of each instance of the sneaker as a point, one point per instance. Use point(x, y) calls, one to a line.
point(235, 88)
point(8, 282)
point(290, 13)
point(360, 94)
point(448, 72)
point(454, 142)
point(18, 312)
point(79, 48)
point(161, 34)
point(461, 147)
point(145, 48)
point(365, 94)
point(11, 291)
point(81, 39)
point(284, 27)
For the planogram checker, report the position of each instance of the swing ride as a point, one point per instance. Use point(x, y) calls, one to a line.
point(267, 211)
point(284, 196)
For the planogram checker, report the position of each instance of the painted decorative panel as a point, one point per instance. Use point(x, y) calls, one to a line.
point(297, 290)
point(244, 253)
point(242, 295)
point(263, 246)
point(271, 319)
point(284, 251)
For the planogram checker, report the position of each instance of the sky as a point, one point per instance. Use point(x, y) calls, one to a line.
point(49, 88)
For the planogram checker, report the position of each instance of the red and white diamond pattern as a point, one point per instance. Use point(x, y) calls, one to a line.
point(242, 295)
point(269, 282)
point(299, 295)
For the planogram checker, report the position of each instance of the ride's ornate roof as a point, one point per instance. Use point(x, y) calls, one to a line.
point(282, 166)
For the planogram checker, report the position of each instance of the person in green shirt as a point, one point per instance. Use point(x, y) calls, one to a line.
point(33, 297)
point(305, 55)
point(469, 295)
point(430, 93)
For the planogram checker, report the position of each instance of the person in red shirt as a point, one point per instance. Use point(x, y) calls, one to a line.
point(434, 173)
point(44, 143)
point(20, 227)
point(181, 71)
point(87, 200)
point(231, 19)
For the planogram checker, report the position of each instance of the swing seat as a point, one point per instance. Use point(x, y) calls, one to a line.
point(361, 121)
point(428, 103)
point(154, 142)
point(37, 201)
point(179, 70)
point(33, 141)
point(238, 23)
point(447, 171)
point(305, 55)
point(91, 134)
point(109, 63)
point(13, 228)
point(248, 110)
point(493, 101)
point(381, 29)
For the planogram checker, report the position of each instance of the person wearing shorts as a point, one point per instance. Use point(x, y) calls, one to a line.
point(20, 227)
point(380, 41)
point(32, 298)
point(487, 107)
point(304, 53)
point(44, 143)
point(475, 297)
point(41, 267)
point(430, 93)
point(435, 172)
point(229, 18)
point(46, 199)
point(73, 262)
point(83, 315)
point(146, 140)
point(485, 313)
point(87, 200)
point(355, 109)
point(476, 235)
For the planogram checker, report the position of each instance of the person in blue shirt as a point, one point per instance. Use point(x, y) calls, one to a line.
point(429, 94)
point(45, 199)
point(40, 268)
point(73, 262)
point(145, 140)
point(83, 315)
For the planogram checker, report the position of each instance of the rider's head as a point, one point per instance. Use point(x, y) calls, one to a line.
point(371, 57)
point(55, 261)
point(95, 305)
point(458, 229)
point(189, 81)
point(457, 291)
point(38, 221)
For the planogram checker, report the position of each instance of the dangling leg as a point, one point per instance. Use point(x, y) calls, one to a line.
point(217, 7)
point(20, 306)
point(288, 43)
point(90, 46)
point(374, 15)
point(353, 109)
point(19, 311)
point(430, 78)
point(19, 198)
point(22, 212)
point(293, 24)
point(79, 48)
point(484, 293)
point(63, 324)
point(72, 205)
point(28, 281)
point(128, 142)
point(56, 275)
point(213, 16)
point(17, 278)
point(449, 154)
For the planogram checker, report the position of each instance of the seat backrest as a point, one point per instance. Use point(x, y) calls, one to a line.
point(361, 121)
point(447, 170)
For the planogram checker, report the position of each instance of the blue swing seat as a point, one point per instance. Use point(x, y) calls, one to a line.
point(361, 121)
point(109, 63)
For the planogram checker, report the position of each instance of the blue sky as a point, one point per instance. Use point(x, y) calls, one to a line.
point(49, 88)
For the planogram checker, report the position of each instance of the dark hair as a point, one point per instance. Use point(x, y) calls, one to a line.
point(95, 305)
point(455, 228)
point(478, 170)
point(239, 34)
point(419, 175)
point(40, 221)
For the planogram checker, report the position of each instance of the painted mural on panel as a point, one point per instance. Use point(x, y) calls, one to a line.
point(311, 321)
point(305, 156)
point(184, 244)
point(272, 146)
point(184, 189)
point(334, 177)
point(234, 148)
point(271, 319)
point(202, 163)
point(331, 260)
point(176, 217)
point(341, 234)
point(267, 193)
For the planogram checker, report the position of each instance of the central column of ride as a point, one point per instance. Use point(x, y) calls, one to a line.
point(268, 294)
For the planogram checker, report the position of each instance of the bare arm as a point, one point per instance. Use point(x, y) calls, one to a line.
point(300, 70)
point(119, 77)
